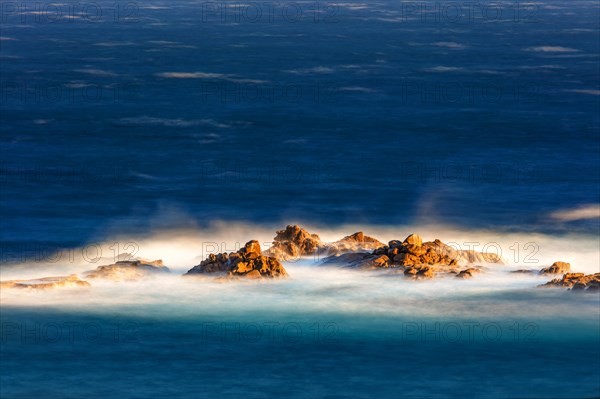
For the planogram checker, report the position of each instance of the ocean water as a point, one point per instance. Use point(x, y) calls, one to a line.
point(325, 331)
point(164, 114)
point(167, 129)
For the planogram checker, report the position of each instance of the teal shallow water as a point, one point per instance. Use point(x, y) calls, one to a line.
point(548, 347)
point(141, 358)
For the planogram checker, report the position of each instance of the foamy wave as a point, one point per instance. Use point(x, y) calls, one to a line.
point(443, 69)
point(177, 122)
point(551, 49)
point(96, 72)
point(180, 249)
point(314, 70)
point(452, 45)
point(208, 76)
point(311, 286)
point(592, 92)
point(581, 213)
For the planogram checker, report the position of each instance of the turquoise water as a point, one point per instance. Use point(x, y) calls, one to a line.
point(324, 332)
point(264, 356)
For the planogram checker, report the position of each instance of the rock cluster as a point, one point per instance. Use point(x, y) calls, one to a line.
point(419, 259)
point(127, 270)
point(576, 281)
point(247, 262)
point(47, 283)
point(413, 252)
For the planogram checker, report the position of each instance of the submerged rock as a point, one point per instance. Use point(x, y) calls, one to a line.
point(46, 283)
point(351, 259)
point(419, 272)
point(294, 242)
point(468, 273)
point(557, 268)
point(248, 262)
point(576, 281)
point(127, 270)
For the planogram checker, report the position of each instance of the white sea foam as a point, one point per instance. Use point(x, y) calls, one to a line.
point(552, 49)
point(451, 45)
point(311, 286)
point(580, 213)
point(314, 70)
point(96, 72)
point(173, 122)
point(592, 92)
point(443, 69)
point(209, 76)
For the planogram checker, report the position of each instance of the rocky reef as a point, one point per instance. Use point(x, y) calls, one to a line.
point(248, 262)
point(127, 270)
point(576, 281)
point(412, 257)
point(71, 281)
point(418, 259)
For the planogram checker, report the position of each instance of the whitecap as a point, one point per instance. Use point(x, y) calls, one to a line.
point(579, 213)
point(551, 49)
point(96, 72)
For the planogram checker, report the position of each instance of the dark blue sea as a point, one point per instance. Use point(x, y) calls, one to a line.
point(141, 121)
